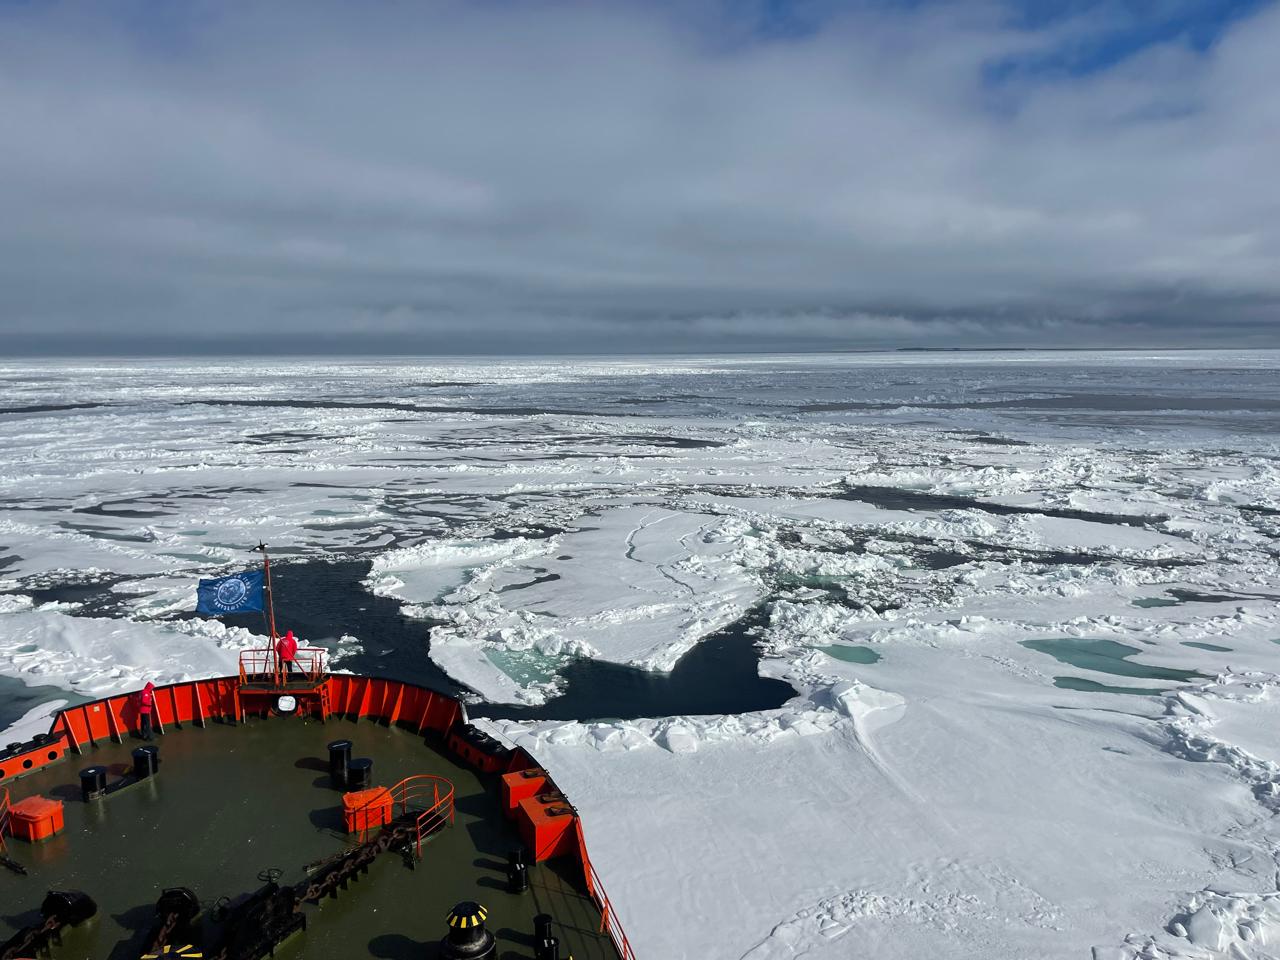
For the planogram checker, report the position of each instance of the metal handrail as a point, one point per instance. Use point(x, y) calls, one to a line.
point(608, 918)
point(264, 662)
point(411, 789)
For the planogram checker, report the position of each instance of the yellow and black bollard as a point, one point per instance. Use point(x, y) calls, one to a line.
point(468, 939)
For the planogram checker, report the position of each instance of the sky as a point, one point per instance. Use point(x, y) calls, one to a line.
point(534, 176)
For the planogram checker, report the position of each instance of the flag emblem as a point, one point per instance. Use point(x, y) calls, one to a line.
point(231, 592)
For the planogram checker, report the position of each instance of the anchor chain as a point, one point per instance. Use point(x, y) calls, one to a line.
point(28, 942)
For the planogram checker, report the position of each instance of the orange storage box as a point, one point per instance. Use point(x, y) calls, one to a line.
point(546, 826)
point(35, 818)
point(518, 786)
point(366, 809)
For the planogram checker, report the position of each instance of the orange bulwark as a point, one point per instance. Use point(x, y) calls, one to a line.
point(478, 749)
point(35, 818)
point(32, 755)
point(197, 702)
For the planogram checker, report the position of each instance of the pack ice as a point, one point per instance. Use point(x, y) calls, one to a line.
point(1030, 622)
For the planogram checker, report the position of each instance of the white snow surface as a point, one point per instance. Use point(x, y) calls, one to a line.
point(965, 795)
point(98, 657)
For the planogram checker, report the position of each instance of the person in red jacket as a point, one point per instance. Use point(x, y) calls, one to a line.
point(287, 651)
point(146, 703)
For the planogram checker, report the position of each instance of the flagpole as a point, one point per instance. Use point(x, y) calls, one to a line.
point(271, 607)
point(271, 603)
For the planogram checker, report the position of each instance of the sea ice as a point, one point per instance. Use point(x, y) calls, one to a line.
point(963, 794)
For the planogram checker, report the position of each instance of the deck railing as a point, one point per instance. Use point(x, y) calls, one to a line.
point(608, 918)
point(426, 795)
point(265, 666)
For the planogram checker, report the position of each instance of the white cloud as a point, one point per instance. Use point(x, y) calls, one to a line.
point(601, 172)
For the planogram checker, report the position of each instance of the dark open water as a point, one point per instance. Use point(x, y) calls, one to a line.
point(322, 600)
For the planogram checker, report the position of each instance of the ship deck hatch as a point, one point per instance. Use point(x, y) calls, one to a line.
point(233, 801)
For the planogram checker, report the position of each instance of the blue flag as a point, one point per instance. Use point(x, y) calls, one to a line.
point(241, 593)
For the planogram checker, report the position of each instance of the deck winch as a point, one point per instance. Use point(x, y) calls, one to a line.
point(175, 910)
point(261, 922)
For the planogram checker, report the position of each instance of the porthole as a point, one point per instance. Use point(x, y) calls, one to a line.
point(26, 764)
point(53, 754)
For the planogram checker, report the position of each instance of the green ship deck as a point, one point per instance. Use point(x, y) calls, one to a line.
point(231, 802)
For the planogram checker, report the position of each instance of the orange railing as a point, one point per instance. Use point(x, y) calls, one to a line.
point(428, 796)
point(264, 666)
point(608, 918)
point(199, 701)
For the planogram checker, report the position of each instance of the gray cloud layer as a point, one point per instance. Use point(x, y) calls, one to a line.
point(557, 176)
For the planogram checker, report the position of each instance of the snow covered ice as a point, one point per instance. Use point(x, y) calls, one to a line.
point(1027, 604)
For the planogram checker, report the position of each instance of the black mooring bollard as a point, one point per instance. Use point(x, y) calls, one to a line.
point(359, 774)
point(339, 760)
point(517, 876)
point(93, 783)
point(468, 939)
point(542, 927)
point(146, 760)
